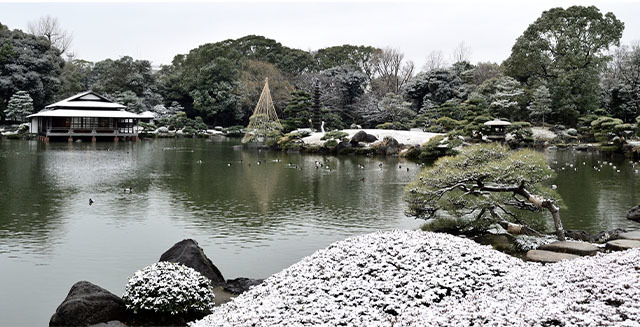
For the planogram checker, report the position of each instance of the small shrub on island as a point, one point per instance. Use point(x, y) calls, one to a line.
point(168, 289)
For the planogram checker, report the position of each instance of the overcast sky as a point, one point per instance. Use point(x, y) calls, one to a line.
point(158, 31)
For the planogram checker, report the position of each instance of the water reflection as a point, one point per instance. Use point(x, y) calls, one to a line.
point(596, 195)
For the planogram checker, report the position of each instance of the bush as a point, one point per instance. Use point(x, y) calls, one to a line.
point(334, 135)
point(168, 288)
point(396, 126)
point(234, 131)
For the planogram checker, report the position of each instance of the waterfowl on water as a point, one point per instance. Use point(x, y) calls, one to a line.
point(91, 201)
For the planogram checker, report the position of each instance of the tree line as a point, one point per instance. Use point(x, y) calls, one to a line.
point(567, 65)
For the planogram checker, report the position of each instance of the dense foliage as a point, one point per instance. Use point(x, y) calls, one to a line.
point(561, 69)
point(168, 288)
point(483, 183)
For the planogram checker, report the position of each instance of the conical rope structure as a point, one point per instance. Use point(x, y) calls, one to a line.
point(264, 118)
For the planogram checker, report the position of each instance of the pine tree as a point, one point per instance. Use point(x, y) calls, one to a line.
point(297, 113)
point(19, 107)
point(505, 100)
point(541, 103)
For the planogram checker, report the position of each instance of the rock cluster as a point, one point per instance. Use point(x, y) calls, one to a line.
point(413, 278)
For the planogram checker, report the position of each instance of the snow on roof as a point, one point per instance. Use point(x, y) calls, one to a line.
point(86, 100)
point(497, 122)
point(148, 115)
point(87, 113)
point(413, 278)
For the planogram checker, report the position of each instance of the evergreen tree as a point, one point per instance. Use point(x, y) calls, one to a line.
point(505, 100)
point(297, 114)
point(541, 103)
point(19, 107)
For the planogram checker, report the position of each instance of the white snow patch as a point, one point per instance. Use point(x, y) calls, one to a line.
point(542, 133)
point(414, 278)
point(403, 137)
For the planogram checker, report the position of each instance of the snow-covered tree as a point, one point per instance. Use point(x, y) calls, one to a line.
point(19, 107)
point(505, 100)
point(485, 182)
point(541, 103)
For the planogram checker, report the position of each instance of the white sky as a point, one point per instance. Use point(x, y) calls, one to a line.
point(158, 31)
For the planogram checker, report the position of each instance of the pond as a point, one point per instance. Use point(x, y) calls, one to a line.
point(254, 212)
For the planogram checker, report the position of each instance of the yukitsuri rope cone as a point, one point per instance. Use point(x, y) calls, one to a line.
point(264, 118)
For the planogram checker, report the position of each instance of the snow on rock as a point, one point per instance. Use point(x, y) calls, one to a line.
point(414, 278)
point(404, 137)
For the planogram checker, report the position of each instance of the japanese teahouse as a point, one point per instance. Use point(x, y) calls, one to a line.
point(86, 114)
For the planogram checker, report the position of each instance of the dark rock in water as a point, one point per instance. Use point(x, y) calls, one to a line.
point(88, 304)
point(363, 137)
point(241, 284)
point(343, 146)
point(579, 235)
point(608, 235)
point(389, 146)
point(188, 253)
point(634, 214)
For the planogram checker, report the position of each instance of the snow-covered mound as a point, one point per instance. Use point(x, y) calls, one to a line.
point(413, 278)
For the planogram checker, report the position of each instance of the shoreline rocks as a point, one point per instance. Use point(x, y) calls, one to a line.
point(88, 304)
point(634, 214)
point(190, 254)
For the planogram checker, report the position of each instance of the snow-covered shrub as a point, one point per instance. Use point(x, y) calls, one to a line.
point(169, 288)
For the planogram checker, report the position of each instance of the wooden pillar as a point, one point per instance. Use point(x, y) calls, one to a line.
point(70, 139)
point(115, 139)
point(93, 139)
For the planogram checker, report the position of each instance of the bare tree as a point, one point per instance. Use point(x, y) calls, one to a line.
point(392, 71)
point(435, 60)
point(50, 28)
point(462, 52)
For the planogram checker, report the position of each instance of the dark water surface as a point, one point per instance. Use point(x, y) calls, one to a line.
point(252, 220)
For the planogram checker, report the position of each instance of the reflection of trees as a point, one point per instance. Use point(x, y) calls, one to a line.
point(251, 198)
point(30, 204)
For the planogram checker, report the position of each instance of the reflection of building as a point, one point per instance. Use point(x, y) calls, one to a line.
point(85, 114)
point(497, 129)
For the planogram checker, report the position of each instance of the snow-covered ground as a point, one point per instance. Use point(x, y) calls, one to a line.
point(542, 133)
point(404, 137)
point(414, 278)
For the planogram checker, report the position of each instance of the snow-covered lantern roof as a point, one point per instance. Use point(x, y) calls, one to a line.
point(497, 122)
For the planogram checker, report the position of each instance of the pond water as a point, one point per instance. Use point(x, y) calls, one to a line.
point(251, 219)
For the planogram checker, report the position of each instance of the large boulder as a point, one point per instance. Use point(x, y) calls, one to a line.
point(241, 284)
point(634, 214)
point(188, 253)
point(363, 137)
point(88, 304)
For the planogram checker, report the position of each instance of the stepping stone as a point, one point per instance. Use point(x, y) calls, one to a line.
point(578, 248)
point(635, 235)
point(621, 245)
point(548, 256)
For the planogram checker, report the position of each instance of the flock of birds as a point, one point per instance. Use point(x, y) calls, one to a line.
point(317, 164)
point(598, 167)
